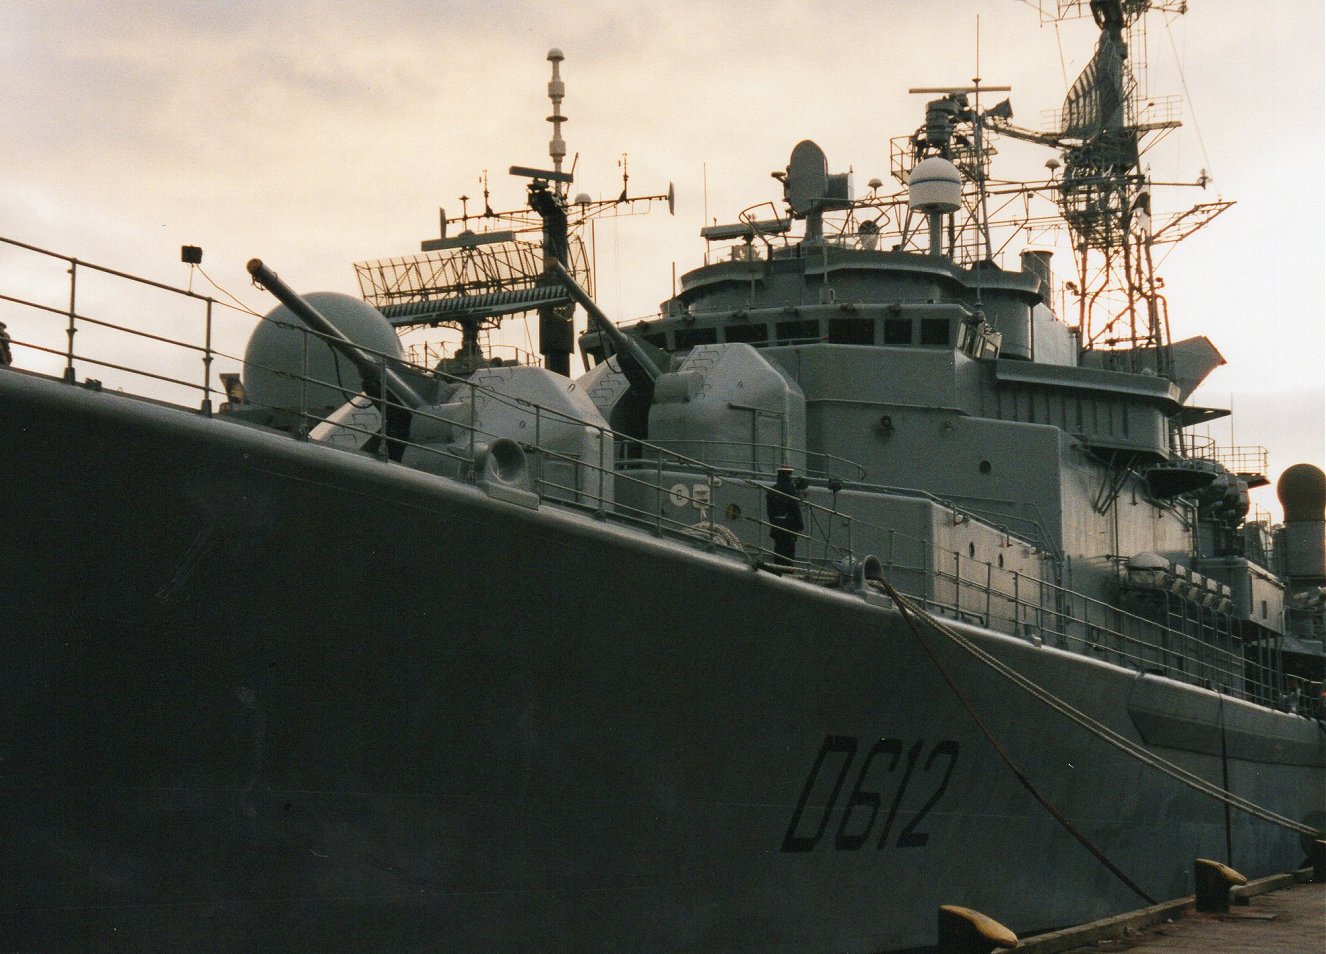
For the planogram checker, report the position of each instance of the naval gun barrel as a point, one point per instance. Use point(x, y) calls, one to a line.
point(638, 367)
point(372, 369)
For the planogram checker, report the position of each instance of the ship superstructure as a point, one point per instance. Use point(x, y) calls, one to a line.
point(470, 654)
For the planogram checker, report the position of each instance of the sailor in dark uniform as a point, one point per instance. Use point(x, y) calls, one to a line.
point(783, 503)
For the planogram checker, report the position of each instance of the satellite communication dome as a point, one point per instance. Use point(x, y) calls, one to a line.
point(935, 185)
point(274, 358)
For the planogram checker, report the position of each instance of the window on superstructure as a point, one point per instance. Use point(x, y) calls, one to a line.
point(746, 332)
point(854, 331)
point(690, 337)
point(934, 331)
point(797, 331)
point(897, 331)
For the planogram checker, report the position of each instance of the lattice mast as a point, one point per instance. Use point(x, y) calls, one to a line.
point(1104, 194)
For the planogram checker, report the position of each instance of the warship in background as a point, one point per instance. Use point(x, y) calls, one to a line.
point(470, 655)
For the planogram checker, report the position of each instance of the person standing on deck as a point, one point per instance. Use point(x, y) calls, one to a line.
point(783, 504)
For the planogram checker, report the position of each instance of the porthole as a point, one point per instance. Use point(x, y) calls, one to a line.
point(984, 467)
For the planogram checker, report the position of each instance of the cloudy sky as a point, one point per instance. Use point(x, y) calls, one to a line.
point(315, 135)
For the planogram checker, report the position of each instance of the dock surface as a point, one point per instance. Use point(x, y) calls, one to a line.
point(1288, 921)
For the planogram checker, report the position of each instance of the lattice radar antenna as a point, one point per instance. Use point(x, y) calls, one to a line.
point(472, 279)
point(1104, 195)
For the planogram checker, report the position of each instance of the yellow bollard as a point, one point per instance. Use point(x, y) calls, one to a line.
point(964, 931)
point(1213, 883)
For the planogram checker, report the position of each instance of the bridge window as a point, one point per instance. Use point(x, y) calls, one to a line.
point(856, 331)
point(897, 331)
point(746, 332)
point(690, 337)
point(789, 331)
point(934, 331)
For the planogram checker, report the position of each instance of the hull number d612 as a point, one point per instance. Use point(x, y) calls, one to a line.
point(887, 770)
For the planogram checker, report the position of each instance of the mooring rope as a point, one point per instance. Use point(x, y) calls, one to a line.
point(1098, 729)
point(909, 612)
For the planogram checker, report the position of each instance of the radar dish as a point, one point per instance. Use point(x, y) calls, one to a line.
point(672, 200)
point(807, 178)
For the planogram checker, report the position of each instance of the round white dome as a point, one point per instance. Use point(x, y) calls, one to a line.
point(935, 185)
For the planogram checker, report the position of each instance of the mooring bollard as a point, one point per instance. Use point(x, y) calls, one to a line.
point(1213, 883)
point(1319, 860)
point(964, 931)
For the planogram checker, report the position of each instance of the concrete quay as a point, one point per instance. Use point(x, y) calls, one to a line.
point(1280, 915)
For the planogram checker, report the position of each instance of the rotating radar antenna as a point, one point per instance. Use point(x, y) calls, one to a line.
point(488, 265)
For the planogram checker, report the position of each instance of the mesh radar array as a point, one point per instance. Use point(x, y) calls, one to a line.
point(498, 263)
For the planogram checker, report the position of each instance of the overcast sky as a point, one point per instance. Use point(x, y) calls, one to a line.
point(315, 135)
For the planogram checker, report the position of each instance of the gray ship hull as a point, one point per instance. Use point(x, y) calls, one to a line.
point(262, 694)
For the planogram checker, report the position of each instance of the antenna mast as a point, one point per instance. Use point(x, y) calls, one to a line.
point(1104, 193)
point(557, 90)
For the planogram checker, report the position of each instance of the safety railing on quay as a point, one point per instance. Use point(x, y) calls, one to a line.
point(976, 590)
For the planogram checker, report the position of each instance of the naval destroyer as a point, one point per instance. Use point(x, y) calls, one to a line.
point(368, 650)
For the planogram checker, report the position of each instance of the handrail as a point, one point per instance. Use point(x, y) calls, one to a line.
point(71, 312)
point(1202, 648)
point(734, 465)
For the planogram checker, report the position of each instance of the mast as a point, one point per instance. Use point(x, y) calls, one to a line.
point(472, 280)
point(1105, 196)
point(547, 197)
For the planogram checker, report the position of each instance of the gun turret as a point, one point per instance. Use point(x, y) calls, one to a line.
point(635, 363)
point(376, 374)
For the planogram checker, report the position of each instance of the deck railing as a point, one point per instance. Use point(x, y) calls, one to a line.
point(75, 318)
point(1240, 458)
point(1199, 645)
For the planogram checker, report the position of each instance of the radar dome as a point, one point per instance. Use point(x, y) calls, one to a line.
point(935, 185)
point(274, 358)
point(1302, 492)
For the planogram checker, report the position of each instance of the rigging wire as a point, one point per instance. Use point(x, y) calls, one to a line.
point(1183, 81)
point(1059, 42)
point(239, 305)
